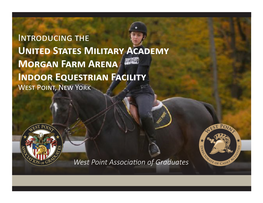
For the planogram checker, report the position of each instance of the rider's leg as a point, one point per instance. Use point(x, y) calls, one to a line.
point(145, 102)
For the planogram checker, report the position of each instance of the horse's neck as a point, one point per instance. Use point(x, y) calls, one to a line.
point(90, 104)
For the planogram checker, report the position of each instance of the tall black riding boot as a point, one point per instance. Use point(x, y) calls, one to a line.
point(148, 127)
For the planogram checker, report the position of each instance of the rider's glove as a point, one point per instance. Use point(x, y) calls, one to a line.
point(121, 95)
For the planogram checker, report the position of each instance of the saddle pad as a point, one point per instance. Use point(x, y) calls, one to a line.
point(162, 117)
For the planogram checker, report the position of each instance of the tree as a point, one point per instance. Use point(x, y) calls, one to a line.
point(235, 89)
point(214, 65)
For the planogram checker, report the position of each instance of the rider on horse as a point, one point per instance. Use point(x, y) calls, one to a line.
point(138, 64)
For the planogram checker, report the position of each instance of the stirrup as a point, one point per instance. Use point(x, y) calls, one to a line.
point(157, 150)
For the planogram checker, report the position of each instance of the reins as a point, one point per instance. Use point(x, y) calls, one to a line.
point(90, 120)
point(68, 130)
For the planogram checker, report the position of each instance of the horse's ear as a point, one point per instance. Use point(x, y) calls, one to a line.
point(63, 91)
point(54, 90)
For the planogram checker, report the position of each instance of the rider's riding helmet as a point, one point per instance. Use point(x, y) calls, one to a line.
point(138, 27)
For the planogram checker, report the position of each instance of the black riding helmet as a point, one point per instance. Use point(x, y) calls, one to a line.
point(138, 27)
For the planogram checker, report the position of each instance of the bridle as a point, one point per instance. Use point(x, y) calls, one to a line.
point(68, 129)
point(71, 105)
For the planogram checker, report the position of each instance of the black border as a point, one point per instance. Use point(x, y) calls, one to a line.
point(131, 188)
point(131, 14)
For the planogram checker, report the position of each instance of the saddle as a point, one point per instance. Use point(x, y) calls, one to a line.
point(132, 108)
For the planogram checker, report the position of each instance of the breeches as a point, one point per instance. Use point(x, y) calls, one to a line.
point(144, 98)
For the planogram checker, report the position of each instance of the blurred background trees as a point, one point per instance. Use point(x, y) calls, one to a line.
point(185, 72)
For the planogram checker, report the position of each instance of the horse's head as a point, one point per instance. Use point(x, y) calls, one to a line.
point(64, 112)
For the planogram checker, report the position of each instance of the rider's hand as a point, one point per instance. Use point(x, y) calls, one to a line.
point(121, 95)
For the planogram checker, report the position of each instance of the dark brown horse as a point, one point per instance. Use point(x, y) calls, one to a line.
point(112, 135)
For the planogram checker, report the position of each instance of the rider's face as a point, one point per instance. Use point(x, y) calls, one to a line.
point(136, 38)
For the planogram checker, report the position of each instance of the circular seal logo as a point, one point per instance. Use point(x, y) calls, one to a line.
point(220, 144)
point(41, 144)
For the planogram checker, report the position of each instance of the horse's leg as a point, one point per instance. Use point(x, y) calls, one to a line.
point(92, 154)
point(198, 161)
point(200, 164)
point(193, 152)
point(188, 168)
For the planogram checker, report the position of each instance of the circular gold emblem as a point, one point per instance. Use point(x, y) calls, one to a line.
point(220, 144)
point(41, 144)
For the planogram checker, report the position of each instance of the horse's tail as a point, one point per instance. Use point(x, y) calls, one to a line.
point(212, 111)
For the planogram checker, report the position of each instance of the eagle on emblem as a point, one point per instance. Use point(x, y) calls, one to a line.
point(40, 138)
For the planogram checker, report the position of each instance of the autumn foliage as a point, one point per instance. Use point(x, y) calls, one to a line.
point(185, 72)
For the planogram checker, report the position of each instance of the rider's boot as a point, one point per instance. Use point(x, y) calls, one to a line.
point(148, 127)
